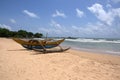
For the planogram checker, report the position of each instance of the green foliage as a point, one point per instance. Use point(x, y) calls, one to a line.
point(38, 35)
point(4, 32)
point(20, 33)
point(30, 34)
point(13, 33)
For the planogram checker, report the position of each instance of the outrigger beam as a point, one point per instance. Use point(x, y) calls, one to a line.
point(51, 51)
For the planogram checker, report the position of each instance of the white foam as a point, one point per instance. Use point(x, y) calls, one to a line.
point(113, 52)
point(94, 40)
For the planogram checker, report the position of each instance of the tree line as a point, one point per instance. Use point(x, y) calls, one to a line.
point(20, 33)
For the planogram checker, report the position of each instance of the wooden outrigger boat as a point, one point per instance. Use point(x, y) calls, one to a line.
point(41, 45)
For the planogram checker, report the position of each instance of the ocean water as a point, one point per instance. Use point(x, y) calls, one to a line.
point(108, 46)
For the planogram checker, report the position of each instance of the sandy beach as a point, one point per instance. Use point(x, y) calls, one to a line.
point(17, 63)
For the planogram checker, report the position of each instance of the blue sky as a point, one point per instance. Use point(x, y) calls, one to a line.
point(76, 18)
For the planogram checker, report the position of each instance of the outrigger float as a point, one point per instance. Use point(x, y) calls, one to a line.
point(41, 45)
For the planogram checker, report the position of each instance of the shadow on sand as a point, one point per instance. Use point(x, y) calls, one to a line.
point(20, 50)
point(38, 51)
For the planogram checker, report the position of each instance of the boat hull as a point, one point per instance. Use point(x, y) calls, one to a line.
point(38, 44)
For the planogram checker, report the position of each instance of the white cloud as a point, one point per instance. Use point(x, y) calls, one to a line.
point(60, 14)
point(5, 26)
point(116, 1)
point(108, 6)
point(104, 16)
point(30, 14)
point(12, 21)
point(95, 30)
point(98, 29)
point(55, 29)
point(79, 13)
point(116, 12)
point(55, 24)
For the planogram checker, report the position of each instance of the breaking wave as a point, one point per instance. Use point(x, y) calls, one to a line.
point(95, 40)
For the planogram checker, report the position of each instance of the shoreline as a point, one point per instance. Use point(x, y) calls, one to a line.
point(100, 57)
point(21, 64)
point(95, 45)
point(95, 51)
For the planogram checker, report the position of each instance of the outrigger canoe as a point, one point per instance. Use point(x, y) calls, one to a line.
point(40, 44)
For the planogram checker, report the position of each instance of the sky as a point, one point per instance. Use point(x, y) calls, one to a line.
point(63, 18)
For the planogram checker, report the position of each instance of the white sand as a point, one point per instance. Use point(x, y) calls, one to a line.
point(17, 63)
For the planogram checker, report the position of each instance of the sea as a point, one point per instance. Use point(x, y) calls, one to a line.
point(99, 45)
